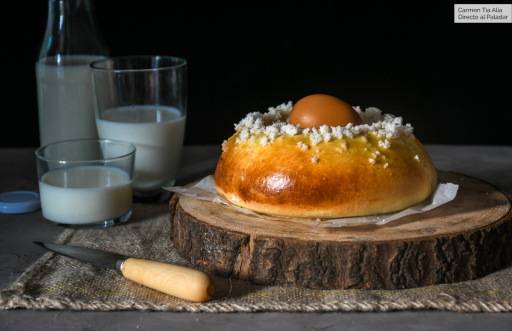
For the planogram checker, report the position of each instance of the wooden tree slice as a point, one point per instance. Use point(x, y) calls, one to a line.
point(466, 238)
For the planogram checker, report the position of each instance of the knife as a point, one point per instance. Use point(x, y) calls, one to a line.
point(185, 283)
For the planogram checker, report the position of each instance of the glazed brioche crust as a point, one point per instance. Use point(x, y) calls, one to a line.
point(340, 178)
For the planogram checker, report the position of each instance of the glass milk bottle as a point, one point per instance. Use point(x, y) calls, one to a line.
point(64, 87)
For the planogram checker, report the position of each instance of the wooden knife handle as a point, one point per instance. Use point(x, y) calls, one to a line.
point(181, 282)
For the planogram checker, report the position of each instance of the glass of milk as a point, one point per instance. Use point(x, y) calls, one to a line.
point(86, 183)
point(143, 100)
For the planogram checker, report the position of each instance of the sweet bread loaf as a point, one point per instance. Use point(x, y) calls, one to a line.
point(273, 167)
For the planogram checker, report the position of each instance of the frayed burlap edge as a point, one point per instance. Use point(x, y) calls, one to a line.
point(453, 305)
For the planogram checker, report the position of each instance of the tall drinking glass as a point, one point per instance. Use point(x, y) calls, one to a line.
point(143, 100)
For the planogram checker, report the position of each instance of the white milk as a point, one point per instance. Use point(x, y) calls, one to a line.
point(85, 194)
point(65, 98)
point(157, 133)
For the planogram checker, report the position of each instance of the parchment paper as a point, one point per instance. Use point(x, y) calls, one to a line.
point(205, 190)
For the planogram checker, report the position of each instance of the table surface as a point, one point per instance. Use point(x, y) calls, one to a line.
point(18, 172)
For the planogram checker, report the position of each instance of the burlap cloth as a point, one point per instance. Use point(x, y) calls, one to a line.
point(56, 282)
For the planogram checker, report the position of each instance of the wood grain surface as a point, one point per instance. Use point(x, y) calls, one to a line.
point(464, 239)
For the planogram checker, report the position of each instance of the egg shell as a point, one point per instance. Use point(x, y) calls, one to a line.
point(321, 109)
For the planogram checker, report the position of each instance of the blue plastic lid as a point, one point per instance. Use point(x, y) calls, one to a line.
point(18, 202)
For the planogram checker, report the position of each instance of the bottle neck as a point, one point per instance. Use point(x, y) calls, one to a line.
point(71, 30)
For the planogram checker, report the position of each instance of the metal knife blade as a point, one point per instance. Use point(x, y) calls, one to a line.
point(95, 257)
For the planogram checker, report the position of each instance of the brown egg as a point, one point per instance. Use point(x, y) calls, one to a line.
point(321, 109)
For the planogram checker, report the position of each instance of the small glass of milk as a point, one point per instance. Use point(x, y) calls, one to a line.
point(143, 100)
point(86, 183)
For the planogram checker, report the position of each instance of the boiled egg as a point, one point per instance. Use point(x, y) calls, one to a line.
point(320, 109)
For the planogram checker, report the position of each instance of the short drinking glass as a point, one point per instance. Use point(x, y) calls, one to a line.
point(86, 183)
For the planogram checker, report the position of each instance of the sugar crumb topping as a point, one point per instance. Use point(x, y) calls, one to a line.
point(384, 144)
point(302, 146)
point(224, 145)
point(372, 161)
point(314, 160)
point(417, 158)
point(386, 165)
point(235, 198)
point(275, 123)
point(263, 141)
